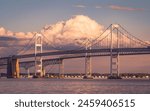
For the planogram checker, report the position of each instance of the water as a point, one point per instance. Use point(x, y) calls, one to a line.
point(73, 86)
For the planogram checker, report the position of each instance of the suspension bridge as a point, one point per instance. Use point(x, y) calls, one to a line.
point(114, 42)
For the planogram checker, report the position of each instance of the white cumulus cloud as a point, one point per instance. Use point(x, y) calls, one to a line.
point(74, 30)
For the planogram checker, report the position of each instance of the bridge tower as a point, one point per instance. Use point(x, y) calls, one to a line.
point(38, 60)
point(114, 57)
point(88, 63)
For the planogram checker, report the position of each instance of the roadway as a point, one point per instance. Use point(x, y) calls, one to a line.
point(80, 54)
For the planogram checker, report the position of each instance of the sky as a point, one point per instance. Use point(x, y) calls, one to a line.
point(32, 15)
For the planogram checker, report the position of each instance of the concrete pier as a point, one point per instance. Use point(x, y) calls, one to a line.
point(13, 68)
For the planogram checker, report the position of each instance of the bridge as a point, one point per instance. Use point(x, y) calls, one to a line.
point(114, 42)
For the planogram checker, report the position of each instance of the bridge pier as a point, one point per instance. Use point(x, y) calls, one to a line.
point(13, 68)
point(88, 67)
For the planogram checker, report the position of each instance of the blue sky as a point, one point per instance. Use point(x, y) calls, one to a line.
point(32, 15)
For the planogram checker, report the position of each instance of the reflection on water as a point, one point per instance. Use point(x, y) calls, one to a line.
point(61, 86)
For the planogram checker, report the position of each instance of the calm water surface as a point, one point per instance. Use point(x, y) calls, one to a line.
point(74, 86)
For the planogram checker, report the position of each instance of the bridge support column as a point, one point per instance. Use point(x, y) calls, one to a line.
point(115, 65)
point(13, 68)
point(88, 67)
point(88, 64)
point(61, 69)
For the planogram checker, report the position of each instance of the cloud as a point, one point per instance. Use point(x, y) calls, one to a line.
point(80, 6)
point(20, 34)
point(73, 31)
point(5, 32)
point(30, 34)
point(11, 42)
point(9, 33)
point(98, 7)
point(2, 31)
point(117, 7)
